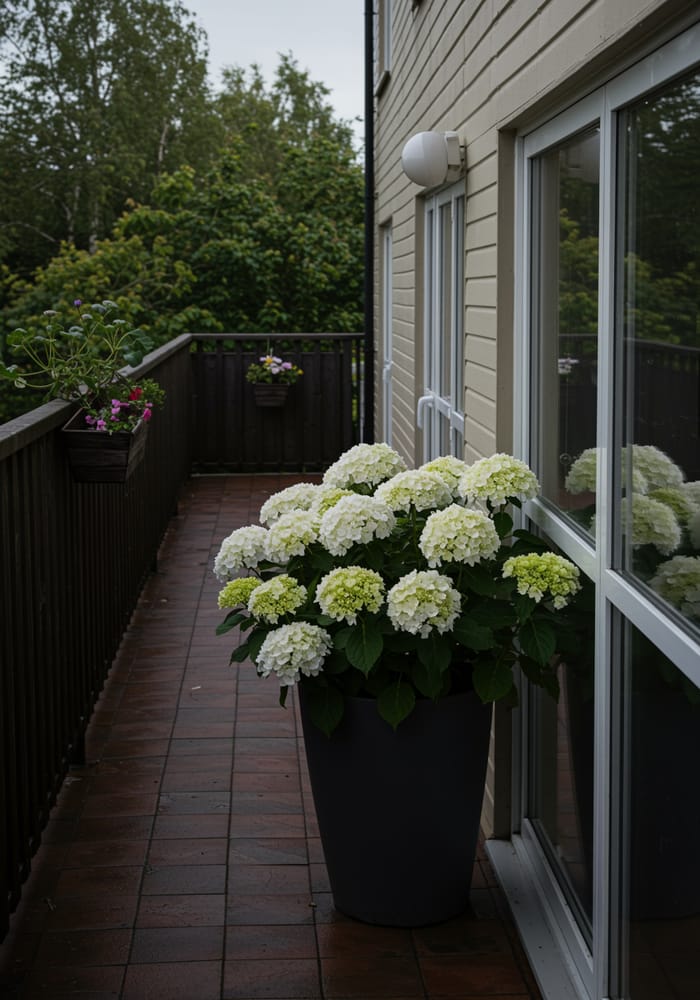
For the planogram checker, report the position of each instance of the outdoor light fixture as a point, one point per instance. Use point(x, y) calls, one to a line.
point(431, 158)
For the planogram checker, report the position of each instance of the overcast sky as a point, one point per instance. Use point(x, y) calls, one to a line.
point(326, 37)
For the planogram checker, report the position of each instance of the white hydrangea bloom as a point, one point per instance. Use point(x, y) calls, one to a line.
point(423, 600)
point(680, 502)
point(450, 468)
point(414, 488)
point(581, 477)
point(694, 530)
point(292, 650)
point(459, 535)
point(274, 598)
point(244, 548)
point(692, 491)
point(327, 497)
point(364, 464)
point(290, 535)
point(355, 519)
point(299, 496)
point(656, 467)
point(496, 478)
point(345, 591)
point(653, 523)
point(678, 581)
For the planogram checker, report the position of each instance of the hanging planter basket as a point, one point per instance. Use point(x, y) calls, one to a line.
point(99, 457)
point(270, 394)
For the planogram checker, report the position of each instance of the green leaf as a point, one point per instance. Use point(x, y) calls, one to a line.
point(538, 641)
point(493, 679)
point(257, 638)
point(326, 706)
point(473, 635)
point(435, 651)
point(503, 523)
point(364, 646)
point(428, 679)
point(396, 701)
point(230, 622)
point(240, 653)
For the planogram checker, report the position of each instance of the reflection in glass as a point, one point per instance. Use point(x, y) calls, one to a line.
point(565, 315)
point(661, 827)
point(660, 312)
point(561, 782)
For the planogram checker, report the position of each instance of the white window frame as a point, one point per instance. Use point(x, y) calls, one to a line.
point(387, 332)
point(582, 973)
point(437, 402)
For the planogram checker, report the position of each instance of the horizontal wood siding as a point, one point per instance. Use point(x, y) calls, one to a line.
point(480, 67)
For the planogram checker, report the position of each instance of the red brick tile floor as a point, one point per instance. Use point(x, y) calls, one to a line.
point(183, 861)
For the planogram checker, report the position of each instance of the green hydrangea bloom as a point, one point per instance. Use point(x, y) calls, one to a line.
point(539, 574)
point(346, 591)
point(237, 592)
point(274, 598)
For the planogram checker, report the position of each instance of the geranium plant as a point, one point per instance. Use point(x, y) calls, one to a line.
point(272, 370)
point(84, 362)
point(398, 584)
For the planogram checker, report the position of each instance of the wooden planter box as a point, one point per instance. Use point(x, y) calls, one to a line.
point(269, 394)
point(99, 457)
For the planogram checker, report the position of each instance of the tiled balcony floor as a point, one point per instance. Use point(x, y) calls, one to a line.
point(183, 862)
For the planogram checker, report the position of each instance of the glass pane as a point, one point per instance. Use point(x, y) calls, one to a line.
point(660, 285)
point(661, 827)
point(561, 769)
point(457, 374)
point(565, 320)
point(444, 344)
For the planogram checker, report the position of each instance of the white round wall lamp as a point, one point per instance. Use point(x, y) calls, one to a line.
point(431, 158)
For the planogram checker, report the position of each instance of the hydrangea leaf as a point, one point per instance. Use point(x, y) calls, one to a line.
point(538, 641)
point(396, 701)
point(473, 635)
point(364, 646)
point(493, 679)
point(325, 706)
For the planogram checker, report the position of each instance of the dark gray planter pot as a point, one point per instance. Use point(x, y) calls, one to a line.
point(399, 812)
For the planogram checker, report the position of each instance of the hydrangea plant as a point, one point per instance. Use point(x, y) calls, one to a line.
point(398, 585)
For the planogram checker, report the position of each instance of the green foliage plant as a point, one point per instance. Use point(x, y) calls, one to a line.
point(84, 362)
point(399, 584)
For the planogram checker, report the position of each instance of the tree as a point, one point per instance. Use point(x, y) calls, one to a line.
point(97, 99)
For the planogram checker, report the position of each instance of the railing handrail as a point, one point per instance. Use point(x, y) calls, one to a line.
point(271, 337)
point(23, 430)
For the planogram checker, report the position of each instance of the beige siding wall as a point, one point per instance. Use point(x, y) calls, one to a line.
point(481, 67)
point(486, 68)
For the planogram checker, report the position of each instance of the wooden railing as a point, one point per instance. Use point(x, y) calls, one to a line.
point(74, 559)
point(74, 556)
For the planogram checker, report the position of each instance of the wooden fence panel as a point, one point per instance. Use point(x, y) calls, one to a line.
point(320, 419)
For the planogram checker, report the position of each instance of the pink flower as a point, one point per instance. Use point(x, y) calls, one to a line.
point(101, 425)
point(146, 414)
point(89, 419)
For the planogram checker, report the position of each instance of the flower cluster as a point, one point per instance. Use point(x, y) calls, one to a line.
point(398, 584)
point(678, 581)
point(660, 515)
point(271, 369)
point(124, 414)
point(547, 573)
